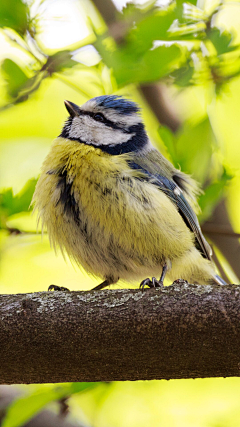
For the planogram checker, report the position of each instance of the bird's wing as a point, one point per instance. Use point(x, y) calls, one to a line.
point(175, 192)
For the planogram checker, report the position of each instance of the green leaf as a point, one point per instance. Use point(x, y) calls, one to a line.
point(24, 408)
point(154, 65)
point(14, 76)
point(153, 27)
point(192, 13)
point(19, 86)
point(188, 11)
point(194, 147)
point(23, 199)
point(193, 31)
point(134, 66)
point(10, 204)
point(180, 2)
point(184, 76)
point(222, 40)
point(6, 202)
point(59, 61)
point(169, 141)
point(14, 14)
point(212, 195)
point(172, 23)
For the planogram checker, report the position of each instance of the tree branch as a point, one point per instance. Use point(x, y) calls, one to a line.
point(156, 96)
point(180, 331)
point(228, 245)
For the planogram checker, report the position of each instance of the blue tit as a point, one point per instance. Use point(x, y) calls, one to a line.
point(115, 205)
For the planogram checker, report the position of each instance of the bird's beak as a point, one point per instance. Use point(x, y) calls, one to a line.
point(72, 108)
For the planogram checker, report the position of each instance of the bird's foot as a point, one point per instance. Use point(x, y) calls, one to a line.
point(154, 283)
point(58, 288)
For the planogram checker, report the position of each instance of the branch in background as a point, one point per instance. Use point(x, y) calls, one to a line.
point(219, 266)
point(107, 9)
point(178, 331)
point(210, 228)
point(156, 97)
point(228, 245)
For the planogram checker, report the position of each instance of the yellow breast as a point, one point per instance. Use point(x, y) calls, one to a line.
point(98, 210)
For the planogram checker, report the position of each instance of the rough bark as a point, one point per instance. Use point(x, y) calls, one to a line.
point(180, 331)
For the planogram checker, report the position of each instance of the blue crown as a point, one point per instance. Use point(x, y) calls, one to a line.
point(121, 105)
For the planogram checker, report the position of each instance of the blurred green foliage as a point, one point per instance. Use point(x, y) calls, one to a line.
point(195, 52)
point(14, 76)
point(10, 204)
point(24, 408)
point(14, 14)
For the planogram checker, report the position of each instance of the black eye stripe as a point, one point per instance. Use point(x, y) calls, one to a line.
point(106, 121)
point(99, 117)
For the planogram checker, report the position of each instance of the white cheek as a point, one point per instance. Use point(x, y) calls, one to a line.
point(111, 137)
point(90, 132)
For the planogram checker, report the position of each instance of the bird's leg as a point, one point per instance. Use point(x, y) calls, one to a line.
point(164, 272)
point(154, 283)
point(58, 288)
point(107, 282)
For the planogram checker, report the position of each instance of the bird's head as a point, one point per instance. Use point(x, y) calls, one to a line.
point(111, 123)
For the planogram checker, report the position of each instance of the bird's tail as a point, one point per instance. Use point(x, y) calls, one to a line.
point(217, 279)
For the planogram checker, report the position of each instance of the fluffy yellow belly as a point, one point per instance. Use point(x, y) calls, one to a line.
point(105, 218)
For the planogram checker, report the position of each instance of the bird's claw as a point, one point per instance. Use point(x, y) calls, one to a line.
point(154, 283)
point(58, 288)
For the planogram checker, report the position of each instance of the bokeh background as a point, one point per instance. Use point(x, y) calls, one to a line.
point(181, 62)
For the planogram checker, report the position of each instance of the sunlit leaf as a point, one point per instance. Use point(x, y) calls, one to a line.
point(182, 6)
point(59, 61)
point(181, 2)
point(10, 204)
point(14, 14)
point(190, 31)
point(131, 66)
point(20, 87)
point(153, 27)
point(14, 76)
point(193, 13)
point(24, 408)
point(183, 76)
point(30, 86)
point(222, 40)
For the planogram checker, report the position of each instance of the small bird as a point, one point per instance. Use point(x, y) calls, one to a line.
point(116, 205)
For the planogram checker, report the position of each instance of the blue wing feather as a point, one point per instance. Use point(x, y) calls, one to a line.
point(175, 193)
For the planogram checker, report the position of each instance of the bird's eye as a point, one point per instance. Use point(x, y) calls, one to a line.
point(99, 117)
